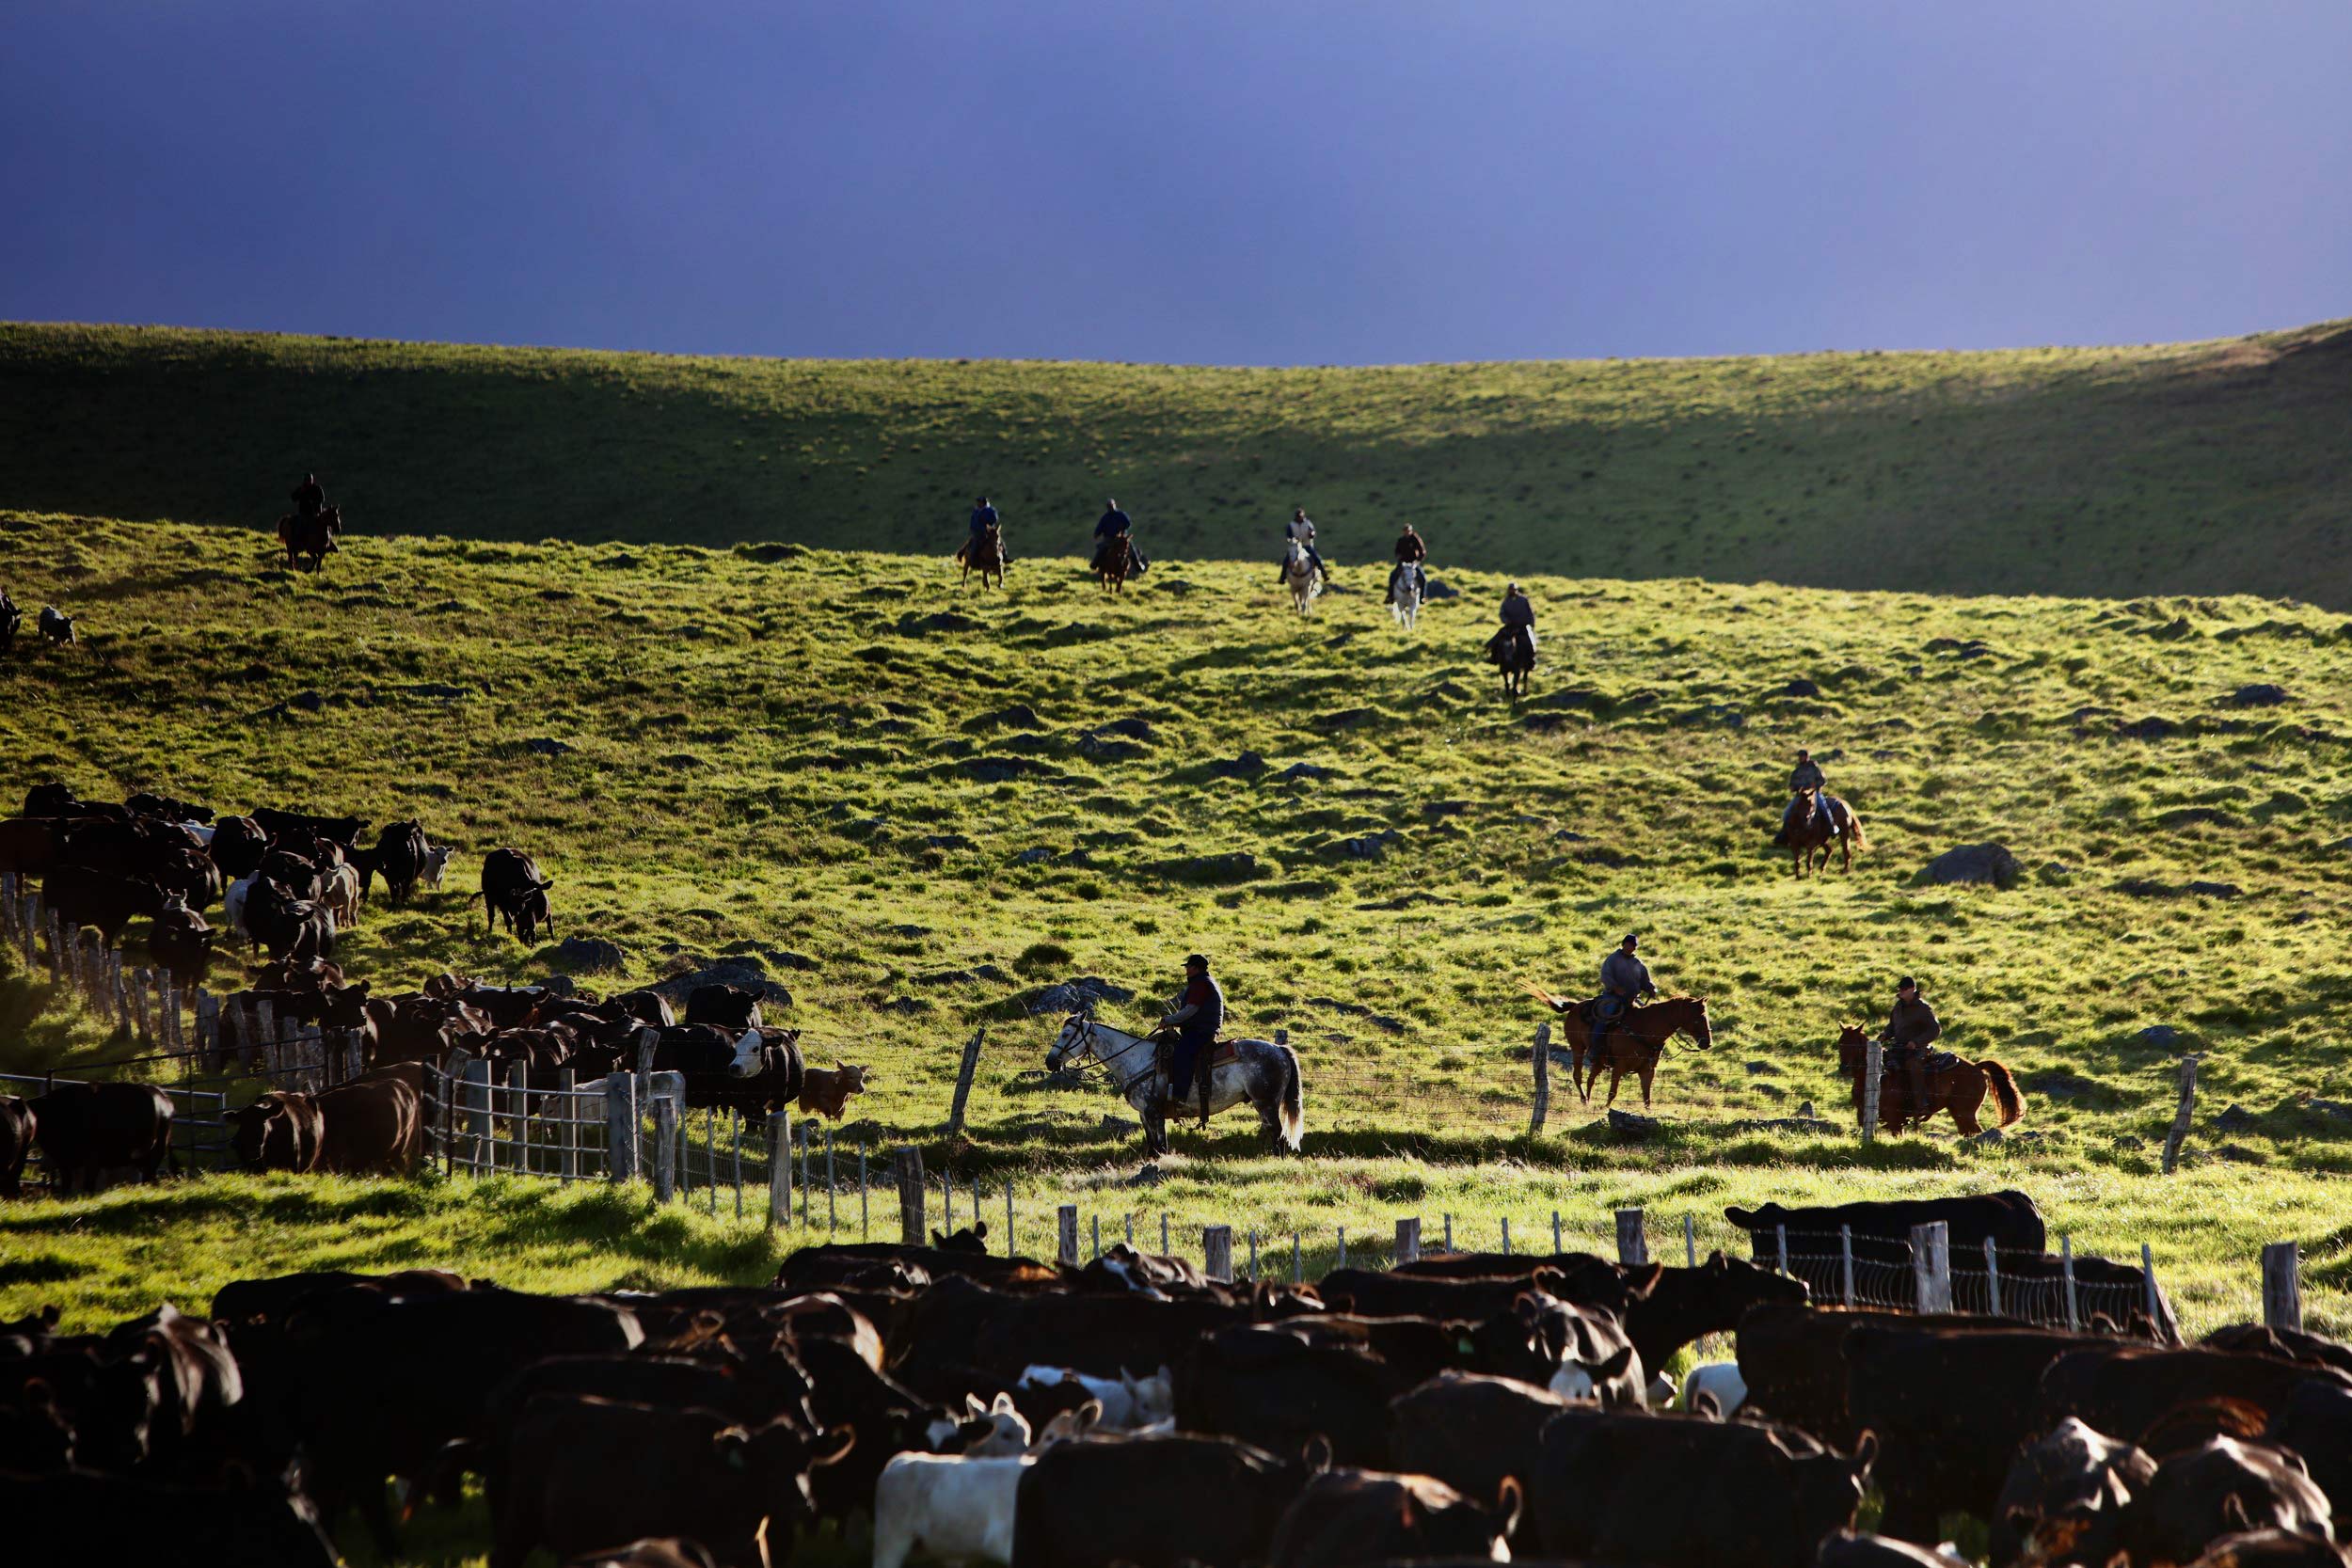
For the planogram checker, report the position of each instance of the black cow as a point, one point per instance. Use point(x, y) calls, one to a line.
point(747, 1388)
point(728, 1006)
point(847, 1394)
point(1683, 1305)
point(170, 807)
point(299, 929)
point(1849, 1549)
point(84, 1130)
point(1375, 1292)
point(2129, 1389)
point(666, 1552)
point(1471, 1431)
point(648, 1007)
point(2064, 1493)
point(398, 858)
point(512, 888)
point(17, 1124)
point(1674, 1492)
point(2284, 1344)
point(694, 1473)
point(1343, 1519)
point(2316, 1422)
point(57, 626)
point(1155, 1502)
point(104, 1403)
point(2272, 1548)
point(10, 618)
point(2223, 1487)
point(181, 942)
point(272, 1300)
point(83, 895)
point(91, 1518)
point(1793, 1361)
point(198, 1385)
point(238, 846)
point(1949, 1409)
point(52, 799)
point(1881, 1230)
point(283, 824)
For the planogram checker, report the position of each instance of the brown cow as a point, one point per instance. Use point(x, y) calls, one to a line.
point(824, 1093)
point(370, 1126)
point(16, 1141)
point(280, 1130)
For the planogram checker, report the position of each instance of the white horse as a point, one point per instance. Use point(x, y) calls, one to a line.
point(1405, 603)
point(1300, 577)
point(1259, 1072)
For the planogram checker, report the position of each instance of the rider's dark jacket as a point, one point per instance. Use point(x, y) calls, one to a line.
point(1623, 974)
point(1111, 524)
point(1409, 548)
point(1912, 1022)
point(1517, 610)
point(310, 498)
point(1805, 775)
point(983, 518)
point(1206, 999)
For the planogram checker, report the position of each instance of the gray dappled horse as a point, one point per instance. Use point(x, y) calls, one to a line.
point(1300, 577)
point(1406, 602)
point(1259, 1072)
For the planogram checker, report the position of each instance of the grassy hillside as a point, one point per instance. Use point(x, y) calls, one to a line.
point(905, 800)
point(2204, 467)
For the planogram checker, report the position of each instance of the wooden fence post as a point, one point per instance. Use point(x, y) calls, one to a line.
point(1780, 1239)
point(1408, 1240)
point(832, 1208)
point(1342, 1246)
point(664, 1147)
point(964, 1087)
point(1633, 1239)
point(620, 1126)
point(1845, 1260)
point(1065, 1235)
point(1543, 1079)
point(566, 1087)
point(2282, 1285)
point(1217, 1252)
point(477, 1082)
point(863, 1215)
point(1873, 1067)
point(912, 1202)
point(1010, 1250)
point(518, 1113)
point(1690, 1243)
point(1932, 1266)
point(2174, 1139)
point(2066, 1271)
point(1299, 1267)
point(2155, 1297)
point(140, 981)
point(1993, 1277)
point(779, 1167)
point(1506, 1235)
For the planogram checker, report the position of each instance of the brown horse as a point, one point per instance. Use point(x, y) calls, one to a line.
point(1821, 821)
point(1634, 1043)
point(985, 555)
point(1513, 651)
point(1959, 1088)
point(314, 536)
point(1114, 562)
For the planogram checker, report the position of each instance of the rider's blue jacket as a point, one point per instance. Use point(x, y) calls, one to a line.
point(983, 518)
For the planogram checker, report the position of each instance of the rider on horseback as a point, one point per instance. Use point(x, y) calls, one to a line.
point(1804, 779)
point(1519, 614)
point(1911, 1028)
point(1410, 552)
point(1111, 527)
point(1300, 531)
point(983, 518)
point(1197, 1014)
point(1624, 980)
point(310, 500)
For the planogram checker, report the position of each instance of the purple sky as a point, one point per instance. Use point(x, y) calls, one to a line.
point(1257, 182)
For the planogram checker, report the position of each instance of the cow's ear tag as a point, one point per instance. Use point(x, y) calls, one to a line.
point(735, 1459)
point(1466, 1345)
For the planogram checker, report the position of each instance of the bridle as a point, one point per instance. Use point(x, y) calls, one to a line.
point(1092, 1042)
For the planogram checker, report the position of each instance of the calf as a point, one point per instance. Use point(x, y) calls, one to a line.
point(278, 1132)
point(690, 1473)
point(2221, 1488)
point(11, 618)
point(84, 1130)
point(1670, 1492)
point(1155, 1502)
point(17, 1122)
point(2064, 1494)
point(1127, 1402)
point(1718, 1383)
point(825, 1091)
point(339, 892)
point(1343, 1519)
point(181, 942)
point(435, 865)
point(399, 858)
point(950, 1506)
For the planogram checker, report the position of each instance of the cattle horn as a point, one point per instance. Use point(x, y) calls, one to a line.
point(1509, 1498)
point(1315, 1454)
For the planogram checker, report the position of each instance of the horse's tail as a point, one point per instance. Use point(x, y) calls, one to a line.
point(1293, 1102)
point(2004, 1089)
point(1853, 828)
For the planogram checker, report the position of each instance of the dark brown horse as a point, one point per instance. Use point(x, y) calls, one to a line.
point(314, 537)
point(984, 555)
point(1633, 1043)
point(1514, 656)
point(1959, 1088)
point(1114, 564)
point(1821, 820)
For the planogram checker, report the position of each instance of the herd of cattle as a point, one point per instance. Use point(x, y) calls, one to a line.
point(1463, 1407)
point(288, 882)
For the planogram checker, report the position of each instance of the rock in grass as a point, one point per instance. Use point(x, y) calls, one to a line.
point(1018, 716)
point(1240, 866)
point(1080, 995)
point(743, 971)
point(1801, 687)
point(542, 746)
point(2260, 694)
point(1247, 766)
point(1033, 857)
point(1432, 588)
point(2237, 1118)
point(2151, 728)
point(2163, 1036)
point(1303, 770)
point(2215, 889)
point(590, 955)
point(1991, 865)
point(1632, 1128)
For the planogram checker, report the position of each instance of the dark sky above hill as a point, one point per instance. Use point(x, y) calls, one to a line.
point(1219, 180)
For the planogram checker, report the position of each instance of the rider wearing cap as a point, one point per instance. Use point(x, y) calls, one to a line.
point(1111, 526)
point(310, 498)
point(1804, 779)
point(1197, 1013)
point(1624, 980)
point(983, 518)
point(1299, 530)
point(1518, 612)
point(1911, 1028)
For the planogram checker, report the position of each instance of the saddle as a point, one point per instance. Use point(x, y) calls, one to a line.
point(1204, 1070)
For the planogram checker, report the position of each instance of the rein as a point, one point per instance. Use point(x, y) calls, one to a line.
point(1094, 1054)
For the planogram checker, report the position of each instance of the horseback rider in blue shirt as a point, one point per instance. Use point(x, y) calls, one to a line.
point(1198, 1014)
point(1624, 980)
point(983, 518)
point(1115, 524)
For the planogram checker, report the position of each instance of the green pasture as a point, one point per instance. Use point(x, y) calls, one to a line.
point(846, 767)
point(2204, 467)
